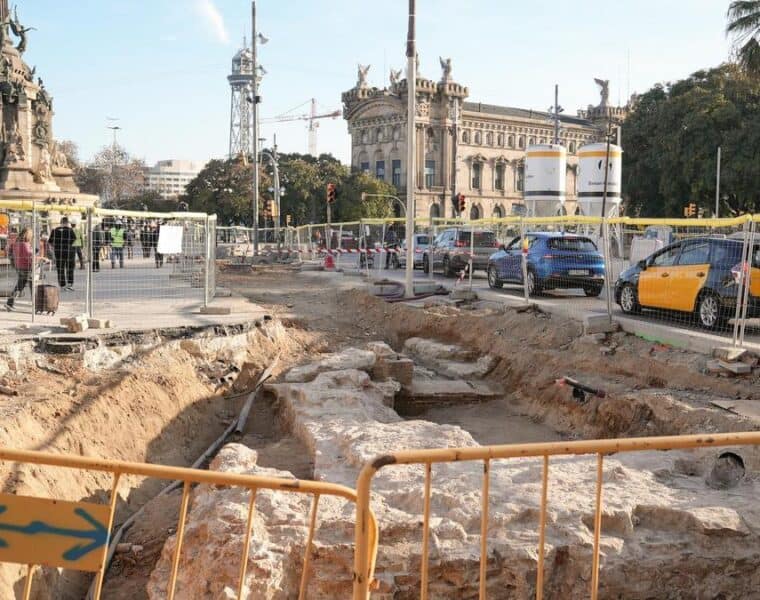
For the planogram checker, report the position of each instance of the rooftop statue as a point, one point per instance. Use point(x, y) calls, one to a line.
point(395, 76)
point(19, 31)
point(604, 91)
point(446, 66)
point(362, 75)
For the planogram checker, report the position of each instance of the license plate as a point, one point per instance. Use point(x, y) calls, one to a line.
point(577, 272)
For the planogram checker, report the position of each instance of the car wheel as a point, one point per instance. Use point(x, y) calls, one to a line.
point(708, 311)
point(534, 287)
point(628, 301)
point(593, 291)
point(447, 267)
point(425, 265)
point(493, 279)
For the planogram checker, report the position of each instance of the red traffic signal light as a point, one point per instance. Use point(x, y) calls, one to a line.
point(330, 193)
point(460, 203)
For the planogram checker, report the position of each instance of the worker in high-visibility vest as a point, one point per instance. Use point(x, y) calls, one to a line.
point(117, 244)
point(78, 243)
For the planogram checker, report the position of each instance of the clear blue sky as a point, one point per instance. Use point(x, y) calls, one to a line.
point(160, 66)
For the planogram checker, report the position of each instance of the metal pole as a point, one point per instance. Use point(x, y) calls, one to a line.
point(255, 138)
point(88, 274)
point(207, 261)
point(606, 170)
point(556, 114)
point(276, 188)
point(717, 187)
point(472, 251)
point(411, 91)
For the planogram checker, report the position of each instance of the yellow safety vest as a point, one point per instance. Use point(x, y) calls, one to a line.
point(117, 237)
point(77, 239)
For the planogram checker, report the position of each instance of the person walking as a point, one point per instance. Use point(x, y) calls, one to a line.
point(62, 242)
point(391, 244)
point(23, 261)
point(117, 244)
point(145, 239)
point(77, 245)
point(159, 257)
point(130, 241)
point(100, 239)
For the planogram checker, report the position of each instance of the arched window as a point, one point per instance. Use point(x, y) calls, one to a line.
point(465, 137)
point(478, 137)
point(520, 177)
point(572, 148)
point(489, 139)
point(474, 213)
point(500, 139)
point(531, 141)
point(511, 141)
point(435, 211)
point(477, 175)
point(498, 180)
point(498, 212)
point(521, 142)
point(542, 141)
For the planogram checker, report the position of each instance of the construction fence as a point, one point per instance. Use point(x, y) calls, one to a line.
point(118, 259)
point(699, 274)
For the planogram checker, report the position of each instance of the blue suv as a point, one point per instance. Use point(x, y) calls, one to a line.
point(554, 261)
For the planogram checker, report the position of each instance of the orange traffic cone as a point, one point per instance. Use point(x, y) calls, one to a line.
point(329, 262)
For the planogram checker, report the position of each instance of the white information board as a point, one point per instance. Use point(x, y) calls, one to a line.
point(169, 240)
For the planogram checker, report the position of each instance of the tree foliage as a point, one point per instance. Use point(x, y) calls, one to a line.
point(225, 187)
point(671, 140)
point(112, 174)
point(744, 26)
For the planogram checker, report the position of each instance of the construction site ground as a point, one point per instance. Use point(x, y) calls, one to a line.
point(163, 396)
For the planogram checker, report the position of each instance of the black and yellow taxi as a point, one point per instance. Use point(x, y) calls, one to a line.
point(700, 276)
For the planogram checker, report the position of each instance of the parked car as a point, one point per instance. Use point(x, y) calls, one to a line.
point(555, 261)
point(450, 250)
point(421, 244)
point(699, 276)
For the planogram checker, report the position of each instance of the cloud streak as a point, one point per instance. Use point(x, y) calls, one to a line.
point(213, 20)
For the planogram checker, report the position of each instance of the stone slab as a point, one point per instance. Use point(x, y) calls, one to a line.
point(738, 368)
point(598, 324)
point(215, 310)
point(729, 353)
point(745, 408)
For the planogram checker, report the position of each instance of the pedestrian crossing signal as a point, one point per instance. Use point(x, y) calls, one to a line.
point(690, 210)
point(330, 193)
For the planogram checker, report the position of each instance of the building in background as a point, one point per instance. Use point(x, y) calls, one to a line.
point(462, 147)
point(169, 178)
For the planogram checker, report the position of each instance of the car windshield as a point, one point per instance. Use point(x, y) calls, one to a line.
point(572, 244)
point(482, 238)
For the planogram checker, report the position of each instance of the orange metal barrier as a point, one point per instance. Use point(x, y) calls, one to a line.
point(366, 533)
point(99, 532)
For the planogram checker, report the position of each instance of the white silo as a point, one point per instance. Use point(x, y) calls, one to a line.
point(545, 166)
point(591, 161)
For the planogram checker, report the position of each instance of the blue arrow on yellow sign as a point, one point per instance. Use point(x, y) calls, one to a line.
point(41, 531)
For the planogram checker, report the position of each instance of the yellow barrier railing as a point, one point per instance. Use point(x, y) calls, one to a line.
point(366, 527)
point(188, 477)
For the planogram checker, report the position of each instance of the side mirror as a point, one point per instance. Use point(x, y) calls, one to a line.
point(502, 247)
point(642, 264)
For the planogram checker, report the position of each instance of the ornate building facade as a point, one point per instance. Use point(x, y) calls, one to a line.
point(461, 147)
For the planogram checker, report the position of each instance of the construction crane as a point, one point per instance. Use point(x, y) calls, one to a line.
point(312, 118)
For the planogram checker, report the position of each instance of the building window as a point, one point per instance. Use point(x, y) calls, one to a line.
point(379, 135)
point(520, 178)
point(521, 142)
point(465, 137)
point(477, 171)
point(542, 141)
point(429, 173)
point(499, 179)
point(489, 139)
point(531, 141)
point(380, 169)
point(500, 139)
point(474, 213)
point(396, 172)
point(365, 137)
point(478, 137)
point(498, 213)
point(572, 147)
point(364, 168)
point(511, 141)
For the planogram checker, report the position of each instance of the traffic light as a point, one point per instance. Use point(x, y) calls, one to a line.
point(460, 204)
point(287, 220)
point(330, 193)
point(690, 210)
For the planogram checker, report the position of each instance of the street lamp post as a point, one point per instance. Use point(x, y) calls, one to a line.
point(255, 39)
point(411, 91)
point(272, 158)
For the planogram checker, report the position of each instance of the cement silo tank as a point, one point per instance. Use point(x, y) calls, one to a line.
point(545, 166)
point(591, 161)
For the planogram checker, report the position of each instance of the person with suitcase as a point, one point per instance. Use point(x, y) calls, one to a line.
point(62, 241)
point(23, 261)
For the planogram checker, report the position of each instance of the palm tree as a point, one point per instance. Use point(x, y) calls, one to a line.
point(744, 27)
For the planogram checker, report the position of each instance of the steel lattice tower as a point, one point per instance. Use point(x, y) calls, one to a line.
point(241, 115)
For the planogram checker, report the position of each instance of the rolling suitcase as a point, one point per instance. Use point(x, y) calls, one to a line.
point(46, 297)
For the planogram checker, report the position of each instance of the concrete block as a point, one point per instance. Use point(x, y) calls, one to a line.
point(598, 324)
point(713, 366)
point(99, 323)
point(423, 286)
point(463, 294)
point(738, 368)
point(395, 367)
point(729, 353)
point(215, 310)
